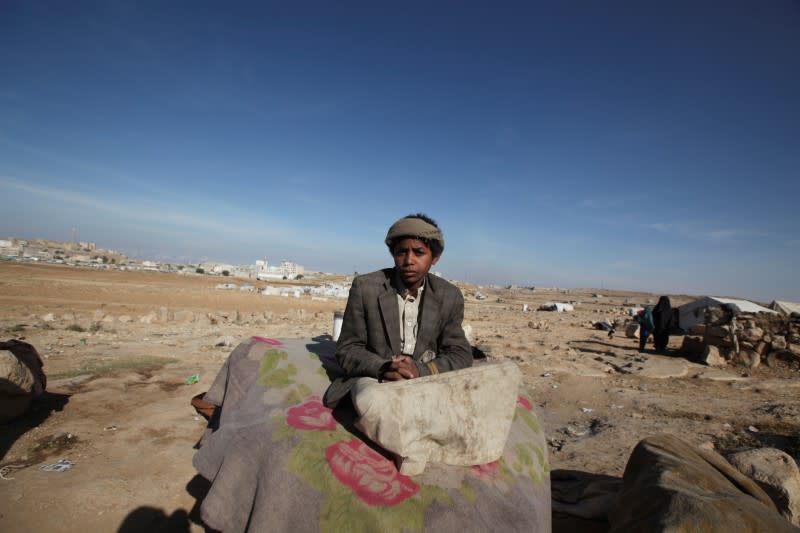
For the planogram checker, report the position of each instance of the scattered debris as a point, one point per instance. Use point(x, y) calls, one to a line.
point(587, 409)
point(194, 378)
point(4, 471)
point(61, 466)
point(574, 432)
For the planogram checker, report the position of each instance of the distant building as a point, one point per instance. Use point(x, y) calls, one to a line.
point(292, 270)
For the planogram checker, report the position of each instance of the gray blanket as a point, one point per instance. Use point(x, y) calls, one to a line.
point(279, 460)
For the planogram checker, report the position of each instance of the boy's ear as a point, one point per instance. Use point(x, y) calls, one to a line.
point(435, 260)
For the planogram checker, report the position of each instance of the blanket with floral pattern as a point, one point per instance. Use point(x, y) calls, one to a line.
point(278, 460)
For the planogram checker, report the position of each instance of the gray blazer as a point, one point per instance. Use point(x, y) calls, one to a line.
point(370, 333)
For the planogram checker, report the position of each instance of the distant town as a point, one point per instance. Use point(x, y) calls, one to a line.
point(87, 254)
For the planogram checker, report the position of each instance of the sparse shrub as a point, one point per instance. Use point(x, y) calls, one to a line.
point(75, 327)
point(95, 327)
point(199, 270)
point(226, 273)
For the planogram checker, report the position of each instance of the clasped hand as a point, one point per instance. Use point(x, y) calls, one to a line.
point(400, 367)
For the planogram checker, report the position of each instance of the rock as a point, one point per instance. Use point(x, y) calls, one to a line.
point(778, 343)
point(753, 334)
point(775, 472)
point(15, 377)
point(780, 355)
point(149, 318)
point(49, 317)
point(183, 316)
point(794, 348)
point(750, 358)
point(124, 318)
point(711, 356)
point(163, 314)
point(226, 341)
point(108, 319)
point(16, 386)
point(670, 485)
point(98, 315)
point(68, 317)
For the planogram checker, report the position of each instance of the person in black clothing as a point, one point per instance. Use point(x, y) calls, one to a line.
point(662, 320)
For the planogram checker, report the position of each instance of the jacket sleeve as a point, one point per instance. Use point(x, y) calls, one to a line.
point(351, 349)
point(454, 349)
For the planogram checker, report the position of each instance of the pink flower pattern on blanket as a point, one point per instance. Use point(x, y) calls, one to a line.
point(524, 403)
point(487, 471)
point(371, 477)
point(311, 414)
point(272, 342)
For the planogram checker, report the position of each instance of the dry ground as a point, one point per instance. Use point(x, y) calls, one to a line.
point(118, 402)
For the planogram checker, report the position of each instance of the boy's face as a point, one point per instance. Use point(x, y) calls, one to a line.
point(413, 259)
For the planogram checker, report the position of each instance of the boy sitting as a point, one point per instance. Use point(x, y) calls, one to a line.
point(402, 323)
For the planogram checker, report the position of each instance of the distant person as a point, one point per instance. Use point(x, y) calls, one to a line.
point(402, 322)
point(662, 320)
point(646, 326)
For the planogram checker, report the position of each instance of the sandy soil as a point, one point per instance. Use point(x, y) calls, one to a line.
point(118, 400)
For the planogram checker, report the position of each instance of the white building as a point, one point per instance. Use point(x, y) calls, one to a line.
point(292, 270)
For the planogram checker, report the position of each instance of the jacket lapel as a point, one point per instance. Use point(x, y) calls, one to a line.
point(429, 319)
point(391, 316)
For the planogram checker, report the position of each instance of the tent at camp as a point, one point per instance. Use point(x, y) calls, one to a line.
point(694, 312)
point(785, 308)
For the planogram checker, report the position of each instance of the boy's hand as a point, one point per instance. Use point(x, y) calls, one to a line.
point(401, 367)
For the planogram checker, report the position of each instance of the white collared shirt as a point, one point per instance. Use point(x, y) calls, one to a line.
point(408, 308)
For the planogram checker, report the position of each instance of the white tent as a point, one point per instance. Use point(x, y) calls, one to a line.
point(785, 308)
point(556, 306)
point(694, 312)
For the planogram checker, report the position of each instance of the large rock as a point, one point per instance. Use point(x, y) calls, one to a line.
point(778, 343)
point(775, 472)
point(750, 358)
point(15, 377)
point(671, 486)
point(711, 356)
point(21, 378)
point(753, 334)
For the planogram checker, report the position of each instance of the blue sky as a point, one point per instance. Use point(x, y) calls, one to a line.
point(635, 145)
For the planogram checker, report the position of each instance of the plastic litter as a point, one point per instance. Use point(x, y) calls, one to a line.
point(586, 409)
point(61, 466)
point(194, 378)
point(4, 471)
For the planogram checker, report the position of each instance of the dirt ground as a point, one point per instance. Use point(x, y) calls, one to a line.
point(118, 399)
